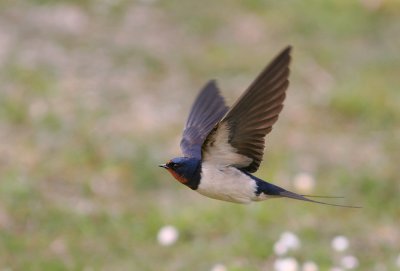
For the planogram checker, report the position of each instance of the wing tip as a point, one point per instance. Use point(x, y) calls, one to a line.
point(285, 53)
point(212, 82)
point(287, 49)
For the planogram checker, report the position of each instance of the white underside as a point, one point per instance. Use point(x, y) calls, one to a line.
point(227, 183)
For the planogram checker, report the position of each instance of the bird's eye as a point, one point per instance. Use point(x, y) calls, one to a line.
point(174, 165)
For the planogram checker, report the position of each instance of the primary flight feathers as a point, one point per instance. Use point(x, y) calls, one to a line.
point(236, 136)
point(208, 108)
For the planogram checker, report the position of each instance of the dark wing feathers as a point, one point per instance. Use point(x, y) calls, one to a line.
point(207, 110)
point(251, 118)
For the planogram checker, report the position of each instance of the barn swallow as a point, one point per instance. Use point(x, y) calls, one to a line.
point(223, 146)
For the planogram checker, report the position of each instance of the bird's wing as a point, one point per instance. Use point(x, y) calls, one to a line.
point(207, 110)
point(238, 139)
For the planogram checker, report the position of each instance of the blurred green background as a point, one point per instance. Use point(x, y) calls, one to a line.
point(94, 94)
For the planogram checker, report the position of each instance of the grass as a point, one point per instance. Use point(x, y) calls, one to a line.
point(93, 96)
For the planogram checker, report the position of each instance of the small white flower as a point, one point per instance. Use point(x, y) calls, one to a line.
point(219, 267)
point(167, 235)
point(290, 240)
point(340, 243)
point(309, 266)
point(398, 261)
point(336, 269)
point(286, 264)
point(304, 182)
point(287, 241)
point(280, 248)
point(349, 262)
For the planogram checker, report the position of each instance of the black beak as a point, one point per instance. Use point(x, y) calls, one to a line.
point(163, 165)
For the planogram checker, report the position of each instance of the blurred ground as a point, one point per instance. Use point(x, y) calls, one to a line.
point(93, 95)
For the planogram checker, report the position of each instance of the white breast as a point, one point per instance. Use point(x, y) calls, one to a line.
point(226, 183)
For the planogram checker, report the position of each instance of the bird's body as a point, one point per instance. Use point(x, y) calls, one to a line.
point(222, 146)
point(227, 183)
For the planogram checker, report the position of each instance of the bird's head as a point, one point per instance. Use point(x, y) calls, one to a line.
point(185, 170)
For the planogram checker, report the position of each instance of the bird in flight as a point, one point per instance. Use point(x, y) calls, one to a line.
point(223, 146)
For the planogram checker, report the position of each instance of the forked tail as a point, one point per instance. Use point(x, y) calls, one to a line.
point(274, 190)
point(292, 195)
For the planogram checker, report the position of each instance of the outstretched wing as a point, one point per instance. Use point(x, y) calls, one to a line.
point(238, 139)
point(207, 110)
